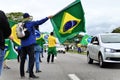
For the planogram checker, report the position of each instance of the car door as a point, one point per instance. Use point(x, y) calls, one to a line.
point(95, 48)
point(90, 48)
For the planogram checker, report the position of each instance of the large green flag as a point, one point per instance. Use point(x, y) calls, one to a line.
point(12, 23)
point(9, 49)
point(69, 21)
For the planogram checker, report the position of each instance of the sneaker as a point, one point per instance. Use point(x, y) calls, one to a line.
point(40, 61)
point(33, 77)
point(52, 62)
point(48, 62)
point(6, 67)
point(55, 57)
point(38, 71)
point(22, 77)
point(27, 71)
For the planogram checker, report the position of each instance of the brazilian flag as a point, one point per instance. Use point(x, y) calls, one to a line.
point(39, 38)
point(85, 40)
point(13, 25)
point(9, 49)
point(69, 21)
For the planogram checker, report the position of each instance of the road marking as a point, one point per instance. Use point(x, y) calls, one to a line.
point(73, 77)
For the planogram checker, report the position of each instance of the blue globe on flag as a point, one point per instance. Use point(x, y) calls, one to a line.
point(46, 36)
point(37, 34)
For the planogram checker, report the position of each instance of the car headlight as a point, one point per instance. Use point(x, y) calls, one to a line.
point(109, 50)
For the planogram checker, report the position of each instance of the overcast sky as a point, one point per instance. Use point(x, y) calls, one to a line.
point(100, 15)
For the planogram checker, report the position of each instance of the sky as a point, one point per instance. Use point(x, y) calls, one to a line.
point(100, 15)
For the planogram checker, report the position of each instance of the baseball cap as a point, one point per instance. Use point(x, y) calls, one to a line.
point(26, 15)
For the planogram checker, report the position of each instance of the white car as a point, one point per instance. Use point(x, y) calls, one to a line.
point(60, 49)
point(104, 48)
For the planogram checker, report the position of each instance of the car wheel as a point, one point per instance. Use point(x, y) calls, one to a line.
point(101, 62)
point(89, 60)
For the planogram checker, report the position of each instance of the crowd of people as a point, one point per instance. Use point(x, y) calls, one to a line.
point(30, 48)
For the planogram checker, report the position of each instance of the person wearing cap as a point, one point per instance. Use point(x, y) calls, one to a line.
point(27, 45)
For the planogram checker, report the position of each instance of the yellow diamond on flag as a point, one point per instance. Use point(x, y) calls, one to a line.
point(68, 23)
point(15, 39)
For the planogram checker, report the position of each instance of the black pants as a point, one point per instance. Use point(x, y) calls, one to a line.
point(18, 57)
point(30, 51)
point(48, 58)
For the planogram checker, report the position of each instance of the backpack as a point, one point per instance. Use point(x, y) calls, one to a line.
point(21, 31)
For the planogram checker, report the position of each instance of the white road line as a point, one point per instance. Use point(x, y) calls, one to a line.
point(73, 77)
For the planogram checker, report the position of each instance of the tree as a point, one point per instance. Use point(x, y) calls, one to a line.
point(117, 30)
point(15, 16)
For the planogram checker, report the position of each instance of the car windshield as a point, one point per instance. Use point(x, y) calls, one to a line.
point(110, 38)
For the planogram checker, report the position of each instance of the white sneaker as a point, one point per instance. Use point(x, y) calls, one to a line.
point(55, 57)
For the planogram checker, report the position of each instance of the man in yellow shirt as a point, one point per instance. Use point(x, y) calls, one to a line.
point(51, 47)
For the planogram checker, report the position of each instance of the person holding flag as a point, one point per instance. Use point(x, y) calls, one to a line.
point(27, 45)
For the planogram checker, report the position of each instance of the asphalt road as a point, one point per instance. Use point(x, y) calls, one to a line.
point(66, 67)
